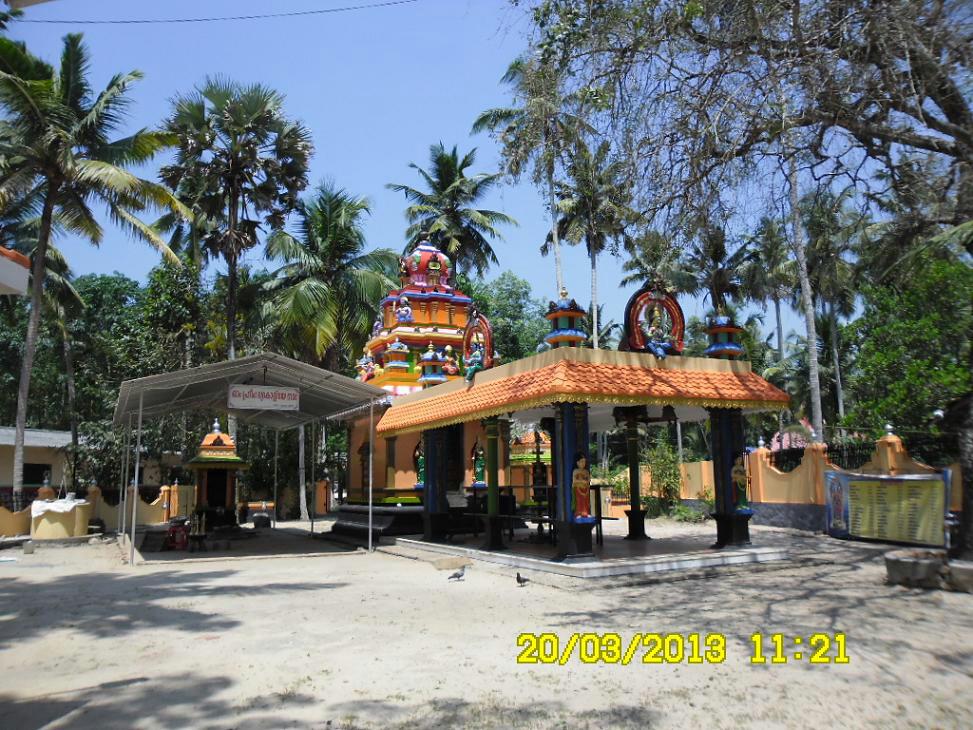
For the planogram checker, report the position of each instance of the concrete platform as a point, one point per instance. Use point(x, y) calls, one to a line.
point(618, 557)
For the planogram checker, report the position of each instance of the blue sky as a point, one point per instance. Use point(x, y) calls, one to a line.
point(375, 86)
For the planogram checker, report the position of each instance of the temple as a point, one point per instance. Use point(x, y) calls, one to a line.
point(446, 460)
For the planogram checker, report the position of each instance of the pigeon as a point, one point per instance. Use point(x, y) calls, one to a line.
point(521, 580)
point(458, 575)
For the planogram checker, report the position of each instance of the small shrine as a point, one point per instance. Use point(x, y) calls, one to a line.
point(216, 466)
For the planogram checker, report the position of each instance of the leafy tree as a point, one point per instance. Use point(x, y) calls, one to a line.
point(517, 318)
point(447, 212)
point(537, 130)
point(241, 163)
point(914, 348)
point(56, 149)
point(327, 291)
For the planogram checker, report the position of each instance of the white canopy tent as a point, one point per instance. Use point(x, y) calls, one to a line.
point(323, 394)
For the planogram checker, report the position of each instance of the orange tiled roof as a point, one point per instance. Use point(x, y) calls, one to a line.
point(15, 256)
point(579, 379)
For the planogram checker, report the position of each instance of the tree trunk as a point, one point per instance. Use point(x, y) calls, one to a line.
point(231, 266)
point(594, 298)
point(965, 437)
point(807, 300)
point(302, 492)
point(835, 356)
point(780, 330)
point(555, 242)
point(780, 360)
point(72, 401)
point(231, 287)
point(30, 344)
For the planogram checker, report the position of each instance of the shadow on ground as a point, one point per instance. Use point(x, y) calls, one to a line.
point(193, 701)
point(115, 604)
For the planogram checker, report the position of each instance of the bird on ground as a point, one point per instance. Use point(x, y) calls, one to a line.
point(458, 575)
point(521, 580)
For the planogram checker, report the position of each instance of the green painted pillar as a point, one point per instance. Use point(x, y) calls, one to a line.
point(494, 525)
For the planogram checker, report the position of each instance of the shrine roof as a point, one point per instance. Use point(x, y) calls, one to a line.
point(575, 375)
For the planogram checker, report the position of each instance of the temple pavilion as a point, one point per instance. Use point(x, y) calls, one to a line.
point(447, 430)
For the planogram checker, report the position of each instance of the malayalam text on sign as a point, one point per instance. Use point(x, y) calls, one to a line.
point(264, 398)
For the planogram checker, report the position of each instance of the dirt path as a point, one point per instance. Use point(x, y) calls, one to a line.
point(382, 640)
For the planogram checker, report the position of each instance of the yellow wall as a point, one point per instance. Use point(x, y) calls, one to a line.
point(697, 479)
point(805, 484)
point(59, 525)
point(57, 458)
point(13, 524)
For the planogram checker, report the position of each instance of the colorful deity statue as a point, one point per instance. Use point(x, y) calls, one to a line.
point(479, 466)
point(366, 366)
point(403, 312)
point(658, 338)
point(450, 366)
point(377, 326)
point(420, 469)
point(738, 474)
point(581, 486)
point(473, 361)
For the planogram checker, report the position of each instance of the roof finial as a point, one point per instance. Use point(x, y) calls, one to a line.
point(216, 425)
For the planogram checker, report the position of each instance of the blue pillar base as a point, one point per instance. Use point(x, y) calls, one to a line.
point(574, 542)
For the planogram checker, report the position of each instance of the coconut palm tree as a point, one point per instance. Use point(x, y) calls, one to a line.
point(832, 229)
point(711, 266)
point(594, 207)
point(56, 149)
point(770, 274)
point(538, 131)
point(327, 289)
point(651, 255)
point(240, 164)
point(446, 212)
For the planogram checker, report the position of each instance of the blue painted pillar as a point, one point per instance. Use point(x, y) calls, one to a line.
point(727, 440)
point(568, 447)
point(430, 492)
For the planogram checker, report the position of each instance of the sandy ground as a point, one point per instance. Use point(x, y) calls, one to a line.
point(382, 640)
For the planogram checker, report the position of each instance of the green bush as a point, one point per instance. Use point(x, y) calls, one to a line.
point(684, 513)
point(666, 477)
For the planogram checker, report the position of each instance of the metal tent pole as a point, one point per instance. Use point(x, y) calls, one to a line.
point(314, 484)
point(276, 447)
point(120, 521)
point(371, 466)
point(135, 494)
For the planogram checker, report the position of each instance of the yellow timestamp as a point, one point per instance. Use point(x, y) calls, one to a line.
point(611, 648)
point(814, 649)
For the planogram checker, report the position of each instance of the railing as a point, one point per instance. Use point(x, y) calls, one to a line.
point(933, 449)
point(29, 495)
point(786, 460)
point(850, 454)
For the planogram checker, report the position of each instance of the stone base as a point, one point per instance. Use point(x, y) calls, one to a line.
point(636, 524)
point(732, 529)
point(916, 568)
point(493, 526)
point(961, 576)
point(574, 541)
point(434, 525)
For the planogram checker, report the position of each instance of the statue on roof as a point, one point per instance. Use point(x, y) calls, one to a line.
point(474, 361)
point(450, 366)
point(403, 312)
